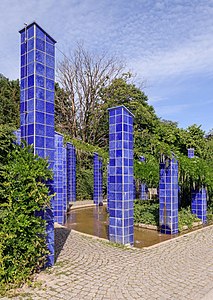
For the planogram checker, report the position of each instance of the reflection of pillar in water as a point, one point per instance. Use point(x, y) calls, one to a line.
point(121, 229)
point(168, 196)
point(97, 217)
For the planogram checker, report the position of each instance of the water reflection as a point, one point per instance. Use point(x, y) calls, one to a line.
point(94, 221)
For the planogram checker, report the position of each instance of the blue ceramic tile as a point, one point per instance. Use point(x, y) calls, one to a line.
point(30, 57)
point(39, 81)
point(40, 117)
point(50, 96)
point(30, 44)
point(30, 93)
point(23, 48)
point(40, 34)
point(50, 84)
point(23, 60)
point(50, 62)
point(30, 32)
point(50, 73)
point(30, 69)
point(40, 56)
point(50, 49)
point(39, 69)
point(40, 44)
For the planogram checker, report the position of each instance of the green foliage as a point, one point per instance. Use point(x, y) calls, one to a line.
point(148, 171)
point(9, 101)
point(90, 149)
point(120, 92)
point(186, 218)
point(193, 174)
point(22, 234)
point(146, 212)
point(84, 182)
point(6, 142)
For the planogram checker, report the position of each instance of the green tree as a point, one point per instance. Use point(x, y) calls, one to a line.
point(22, 192)
point(9, 101)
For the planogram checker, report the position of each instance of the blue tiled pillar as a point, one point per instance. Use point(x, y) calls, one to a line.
point(199, 198)
point(144, 192)
point(59, 179)
point(65, 183)
point(191, 153)
point(71, 173)
point(134, 189)
point(18, 136)
point(121, 228)
point(142, 158)
point(143, 186)
point(168, 196)
point(199, 204)
point(37, 103)
point(98, 180)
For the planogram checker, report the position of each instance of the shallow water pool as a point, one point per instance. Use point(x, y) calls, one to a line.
point(94, 221)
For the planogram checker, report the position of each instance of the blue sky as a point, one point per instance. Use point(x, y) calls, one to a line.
point(167, 43)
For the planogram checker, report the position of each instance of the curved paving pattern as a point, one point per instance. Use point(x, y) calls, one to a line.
point(88, 268)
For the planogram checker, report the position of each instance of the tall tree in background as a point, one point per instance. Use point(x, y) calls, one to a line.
point(9, 101)
point(82, 75)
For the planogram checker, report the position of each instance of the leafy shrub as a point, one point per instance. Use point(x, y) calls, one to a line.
point(146, 212)
point(22, 235)
point(84, 182)
point(186, 218)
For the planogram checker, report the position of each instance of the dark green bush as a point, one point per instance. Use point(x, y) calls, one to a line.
point(146, 212)
point(22, 235)
point(186, 218)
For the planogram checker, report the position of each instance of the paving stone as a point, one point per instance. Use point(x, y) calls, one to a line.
point(89, 269)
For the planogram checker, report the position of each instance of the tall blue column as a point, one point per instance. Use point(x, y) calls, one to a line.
point(59, 179)
point(199, 198)
point(18, 136)
point(143, 192)
point(168, 196)
point(121, 228)
point(191, 153)
point(143, 186)
point(98, 179)
point(37, 103)
point(71, 173)
point(65, 184)
point(199, 204)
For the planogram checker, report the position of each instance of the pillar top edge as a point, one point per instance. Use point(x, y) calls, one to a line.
point(58, 133)
point(121, 106)
point(34, 23)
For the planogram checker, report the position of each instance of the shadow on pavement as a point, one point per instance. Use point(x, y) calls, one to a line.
point(61, 235)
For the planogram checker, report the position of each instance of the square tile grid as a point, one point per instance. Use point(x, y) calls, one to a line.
point(199, 204)
point(71, 173)
point(121, 189)
point(97, 179)
point(37, 102)
point(168, 197)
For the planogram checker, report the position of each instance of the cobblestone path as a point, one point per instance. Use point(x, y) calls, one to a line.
point(88, 268)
